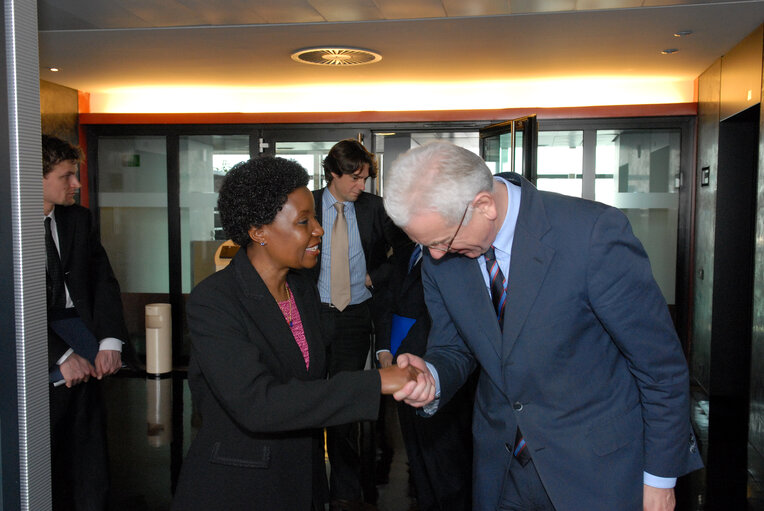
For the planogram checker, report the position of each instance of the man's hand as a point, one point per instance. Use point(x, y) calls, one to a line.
point(658, 499)
point(368, 282)
point(107, 362)
point(385, 359)
point(76, 370)
point(420, 392)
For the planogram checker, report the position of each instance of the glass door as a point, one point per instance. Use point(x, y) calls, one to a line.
point(309, 147)
point(510, 146)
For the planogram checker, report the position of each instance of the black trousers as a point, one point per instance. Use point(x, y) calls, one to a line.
point(79, 461)
point(439, 450)
point(349, 336)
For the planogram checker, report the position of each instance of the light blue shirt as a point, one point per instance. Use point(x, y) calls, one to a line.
point(503, 251)
point(358, 291)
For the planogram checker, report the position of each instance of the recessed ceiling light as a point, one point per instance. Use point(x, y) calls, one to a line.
point(53, 69)
point(336, 56)
point(669, 51)
point(682, 33)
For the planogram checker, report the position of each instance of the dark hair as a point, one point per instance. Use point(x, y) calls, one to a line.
point(254, 191)
point(346, 157)
point(55, 150)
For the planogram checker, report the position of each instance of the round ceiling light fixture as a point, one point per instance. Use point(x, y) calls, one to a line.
point(336, 56)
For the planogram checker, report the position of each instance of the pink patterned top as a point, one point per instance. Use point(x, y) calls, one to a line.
point(296, 326)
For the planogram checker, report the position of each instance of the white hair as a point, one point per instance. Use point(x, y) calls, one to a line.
point(438, 176)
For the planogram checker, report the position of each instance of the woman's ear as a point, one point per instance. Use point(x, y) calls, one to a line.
point(257, 235)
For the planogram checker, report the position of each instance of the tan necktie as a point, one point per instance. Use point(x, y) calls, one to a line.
point(340, 270)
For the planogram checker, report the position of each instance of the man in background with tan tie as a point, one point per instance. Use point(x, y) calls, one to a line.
point(353, 266)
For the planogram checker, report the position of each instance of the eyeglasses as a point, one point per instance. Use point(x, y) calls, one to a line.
point(451, 241)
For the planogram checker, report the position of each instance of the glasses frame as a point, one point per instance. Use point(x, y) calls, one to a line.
point(458, 228)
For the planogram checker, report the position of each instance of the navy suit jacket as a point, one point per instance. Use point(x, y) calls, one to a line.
point(588, 365)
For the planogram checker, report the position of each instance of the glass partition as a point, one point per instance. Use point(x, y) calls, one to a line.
point(560, 162)
point(132, 200)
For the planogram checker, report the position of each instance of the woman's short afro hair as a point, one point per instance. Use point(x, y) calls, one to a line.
point(254, 191)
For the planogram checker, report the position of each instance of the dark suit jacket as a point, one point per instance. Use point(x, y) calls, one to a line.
point(378, 234)
point(259, 446)
point(588, 365)
point(404, 296)
point(89, 279)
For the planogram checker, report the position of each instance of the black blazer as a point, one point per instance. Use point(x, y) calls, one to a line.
point(89, 279)
point(378, 234)
point(260, 446)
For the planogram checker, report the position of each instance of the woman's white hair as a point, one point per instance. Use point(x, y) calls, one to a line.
point(438, 176)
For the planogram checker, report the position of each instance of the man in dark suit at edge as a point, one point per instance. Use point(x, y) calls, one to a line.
point(438, 448)
point(583, 395)
point(359, 234)
point(86, 330)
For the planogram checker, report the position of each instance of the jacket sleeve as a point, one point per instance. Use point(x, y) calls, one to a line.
point(629, 304)
point(232, 357)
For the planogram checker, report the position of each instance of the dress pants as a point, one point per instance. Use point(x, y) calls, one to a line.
point(79, 462)
point(523, 489)
point(349, 336)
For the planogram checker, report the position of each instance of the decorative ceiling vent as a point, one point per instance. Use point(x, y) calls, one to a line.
point(336, 56)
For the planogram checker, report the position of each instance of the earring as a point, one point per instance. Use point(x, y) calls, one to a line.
point(262, 243)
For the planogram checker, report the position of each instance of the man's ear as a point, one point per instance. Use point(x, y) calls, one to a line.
point(486, 205)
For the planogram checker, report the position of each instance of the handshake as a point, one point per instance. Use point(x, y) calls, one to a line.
point(409, 381)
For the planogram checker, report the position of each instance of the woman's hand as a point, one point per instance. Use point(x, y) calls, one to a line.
point(394, 378)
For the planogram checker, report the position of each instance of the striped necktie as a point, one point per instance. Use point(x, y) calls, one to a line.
point(497, 284)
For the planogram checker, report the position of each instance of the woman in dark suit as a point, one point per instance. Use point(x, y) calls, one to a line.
point(258, 362)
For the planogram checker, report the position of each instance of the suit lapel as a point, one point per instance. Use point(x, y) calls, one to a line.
point(364, 220)
point(529, 264)
point(267, 316)
point(65, 229)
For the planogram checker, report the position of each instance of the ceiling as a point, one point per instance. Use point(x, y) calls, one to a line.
point(121, 45)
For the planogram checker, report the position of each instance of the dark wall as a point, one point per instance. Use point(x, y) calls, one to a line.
point(59, 111)
point(756, 423)
point(709, 86)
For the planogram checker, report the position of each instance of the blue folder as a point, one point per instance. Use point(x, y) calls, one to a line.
point(401, 327)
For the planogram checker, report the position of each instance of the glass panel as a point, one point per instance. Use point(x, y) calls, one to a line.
point(560, 162)
point(132, 199)
point(204, 161)
point(637, 172)
point(388, 146)
point(309, 155)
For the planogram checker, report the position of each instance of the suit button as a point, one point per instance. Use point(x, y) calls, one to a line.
point(518, 406)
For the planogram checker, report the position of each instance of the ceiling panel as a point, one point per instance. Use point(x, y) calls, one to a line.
point(526, 6)
point(235, 12)
point(287, 11)
point(347, 10)
point(476, 8)
point(408, 9)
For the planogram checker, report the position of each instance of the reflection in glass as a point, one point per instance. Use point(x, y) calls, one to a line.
point(159, 411)
point(560, 162)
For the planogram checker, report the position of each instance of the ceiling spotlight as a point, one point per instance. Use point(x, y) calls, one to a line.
point(669, 51)
point(53, 69)
point(336, 56)
point(682, 33)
